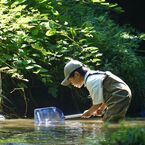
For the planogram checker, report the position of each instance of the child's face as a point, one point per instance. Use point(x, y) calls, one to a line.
point(77, 80)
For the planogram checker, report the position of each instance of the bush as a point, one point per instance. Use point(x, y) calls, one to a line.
point(38, 37)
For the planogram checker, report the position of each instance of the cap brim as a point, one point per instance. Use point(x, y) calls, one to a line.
point(65, 82)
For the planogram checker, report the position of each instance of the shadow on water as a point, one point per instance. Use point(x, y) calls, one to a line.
point(73, 132)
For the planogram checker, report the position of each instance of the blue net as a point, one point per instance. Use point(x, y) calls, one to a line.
point(48, 116)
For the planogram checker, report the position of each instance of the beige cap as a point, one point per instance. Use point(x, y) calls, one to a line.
point(68, 69)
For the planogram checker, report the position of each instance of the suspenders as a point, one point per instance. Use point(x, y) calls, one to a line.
point(96, 72)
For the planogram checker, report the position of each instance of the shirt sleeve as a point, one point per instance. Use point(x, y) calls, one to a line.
point(94, 86)
point(97, 93)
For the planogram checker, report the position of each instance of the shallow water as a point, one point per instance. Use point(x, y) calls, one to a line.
point(73, 132)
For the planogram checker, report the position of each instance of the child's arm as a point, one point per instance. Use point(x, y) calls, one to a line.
point(88, 113)
point(100, 110)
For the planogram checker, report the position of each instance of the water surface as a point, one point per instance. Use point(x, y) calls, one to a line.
point(73, 132)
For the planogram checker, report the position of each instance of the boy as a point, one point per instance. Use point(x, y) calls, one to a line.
point(109, 93)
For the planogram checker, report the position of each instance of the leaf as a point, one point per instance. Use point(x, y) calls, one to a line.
point(55, 12)
point(65, 23)
point(45, 24)
point(3, 69)
point(142, 36)
point(35, 32)
point(51, 32)
point(98, 1)
point(40, 48)
point(29, 67)
point(73, 32)
point(4, 1)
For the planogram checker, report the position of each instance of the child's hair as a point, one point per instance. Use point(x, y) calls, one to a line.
point(82, 70)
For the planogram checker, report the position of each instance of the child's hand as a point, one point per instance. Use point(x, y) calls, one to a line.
point(98, 112)
point(86, 114)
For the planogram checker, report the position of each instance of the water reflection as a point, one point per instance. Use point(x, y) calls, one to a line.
point(70, 133)
point(73, 132)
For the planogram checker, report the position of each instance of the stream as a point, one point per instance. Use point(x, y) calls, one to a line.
point(72, 132)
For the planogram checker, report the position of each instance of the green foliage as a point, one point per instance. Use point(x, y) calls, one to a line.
point(38, 37)
point(128, 136)
point(33, 42)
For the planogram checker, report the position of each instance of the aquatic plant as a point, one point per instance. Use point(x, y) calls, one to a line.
point(126, 136)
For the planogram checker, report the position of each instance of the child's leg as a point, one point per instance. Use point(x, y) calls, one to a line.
point(117, 105)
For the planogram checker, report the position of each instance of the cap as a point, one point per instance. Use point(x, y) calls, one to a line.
point(68, 69)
